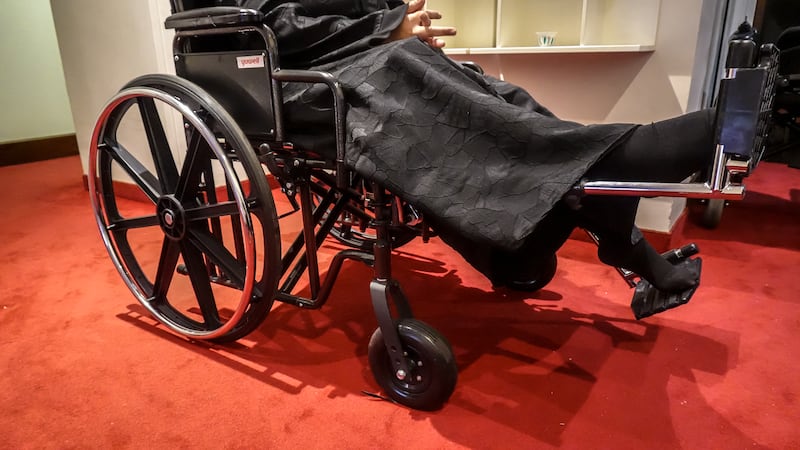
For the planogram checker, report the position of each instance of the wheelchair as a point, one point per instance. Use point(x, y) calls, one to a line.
point(203, 252)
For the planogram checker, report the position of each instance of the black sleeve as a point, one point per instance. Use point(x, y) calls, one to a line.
point(310, 33)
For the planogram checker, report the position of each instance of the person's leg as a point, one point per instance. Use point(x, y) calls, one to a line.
point(621, 244)
point(666, 151)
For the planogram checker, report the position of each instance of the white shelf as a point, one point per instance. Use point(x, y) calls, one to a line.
point(557, 49)
point(582, 26)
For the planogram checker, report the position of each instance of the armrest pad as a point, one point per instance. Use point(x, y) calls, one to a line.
point(213, 17)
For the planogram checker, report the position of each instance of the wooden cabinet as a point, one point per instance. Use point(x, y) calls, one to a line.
point(511, 26)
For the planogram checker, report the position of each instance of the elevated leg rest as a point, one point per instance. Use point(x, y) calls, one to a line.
point(743, 114)
point(744, 109)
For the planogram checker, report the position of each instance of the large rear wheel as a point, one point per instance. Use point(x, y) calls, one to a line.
point(184, 209)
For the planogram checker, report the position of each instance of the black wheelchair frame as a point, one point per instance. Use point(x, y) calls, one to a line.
point(210, 211)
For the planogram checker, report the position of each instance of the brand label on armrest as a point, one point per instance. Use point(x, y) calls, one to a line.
point(250, 62)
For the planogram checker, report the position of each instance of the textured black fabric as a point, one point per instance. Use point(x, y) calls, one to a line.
point(316, 32)
point(444, 138)
point(481, 158)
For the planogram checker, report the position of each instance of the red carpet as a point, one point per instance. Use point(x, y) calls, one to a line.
point(81, 366)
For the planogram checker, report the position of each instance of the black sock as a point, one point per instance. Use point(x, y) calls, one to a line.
point(642, 259)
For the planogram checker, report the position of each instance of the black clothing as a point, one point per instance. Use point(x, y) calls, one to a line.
point(480, 157)
point(314, 32)
point(441, 136)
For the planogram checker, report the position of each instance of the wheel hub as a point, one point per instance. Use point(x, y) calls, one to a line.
point(416, 370)
point(171, 217)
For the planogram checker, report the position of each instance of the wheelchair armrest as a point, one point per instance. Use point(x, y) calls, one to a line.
point(214, 17)
point(473, 66)
point(313, 76)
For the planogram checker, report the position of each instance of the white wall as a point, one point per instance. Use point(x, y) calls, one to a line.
point(104, 44)
point(612, 87)
point(33, 96)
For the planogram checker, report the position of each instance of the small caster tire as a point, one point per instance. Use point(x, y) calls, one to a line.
point(429, 358)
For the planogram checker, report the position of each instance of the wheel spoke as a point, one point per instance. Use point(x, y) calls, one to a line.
point(210, 211)
point(219, 255)
point(197, 158)
point(167, 262)
point(201, 283)
point(136, 170)
point(132, 223)
point(159, 146)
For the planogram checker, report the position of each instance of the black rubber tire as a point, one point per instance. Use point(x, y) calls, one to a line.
point(433, 368)
point(197, 242)
point(546, 274)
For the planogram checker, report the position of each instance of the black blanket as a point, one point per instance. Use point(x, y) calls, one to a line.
point(477, 155)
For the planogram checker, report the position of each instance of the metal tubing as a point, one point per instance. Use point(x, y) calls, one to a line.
point(718, 169)
point(310, 76)
point(381, 249)
point(685, 190)
point(306, 209)
point(380, 291)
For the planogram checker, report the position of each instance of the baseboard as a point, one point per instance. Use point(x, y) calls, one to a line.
point(38, 149)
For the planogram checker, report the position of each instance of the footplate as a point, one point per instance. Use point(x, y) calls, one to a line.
point(647, 300)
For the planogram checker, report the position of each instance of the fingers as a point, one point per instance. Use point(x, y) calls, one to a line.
point(434, 14)
point(429, 32)
point(436, 42)
point(420, 18)
point(421, 21)
point(422, 24)
point(423, 17)
point(415, 5)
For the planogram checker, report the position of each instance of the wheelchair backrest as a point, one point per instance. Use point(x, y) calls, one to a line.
point(186, 5)
point(228, 52)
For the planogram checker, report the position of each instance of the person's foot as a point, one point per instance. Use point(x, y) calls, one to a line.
point(647, 300)
point(642, 259)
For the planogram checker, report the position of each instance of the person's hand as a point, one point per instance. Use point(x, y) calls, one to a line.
point(418, 22)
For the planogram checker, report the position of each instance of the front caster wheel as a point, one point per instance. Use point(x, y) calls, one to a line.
point(432, 367)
